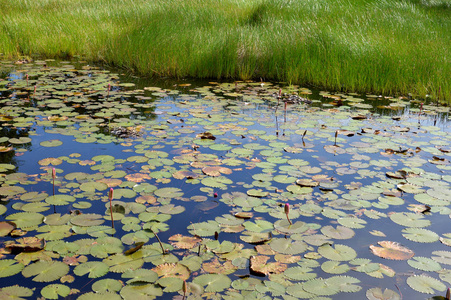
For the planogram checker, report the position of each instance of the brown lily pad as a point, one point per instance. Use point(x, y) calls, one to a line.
point(26, 244)
point(215, 267)
point(392, 250)
point(172, 270)
point(6, 227)
point(184, 242)
point(260, 267)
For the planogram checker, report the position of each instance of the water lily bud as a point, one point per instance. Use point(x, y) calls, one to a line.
point(287, 208)
point(185, 287)
point(448, 294)
point(110, 194)
point(53, 173)
point(109, 87)
point(215, 195)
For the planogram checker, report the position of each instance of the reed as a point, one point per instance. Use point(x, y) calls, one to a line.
point(370, 46)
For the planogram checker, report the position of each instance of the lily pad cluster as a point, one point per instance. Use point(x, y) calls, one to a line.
point(223, 190)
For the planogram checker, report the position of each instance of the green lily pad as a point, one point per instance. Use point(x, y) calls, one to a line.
point(420, 235)
point(334, 267)
point(87, 220)
point(54, 291)
point(425, 284)
point(51, 143)
point(287, 246)
point(213, 282)
point(337, 252)
point(258, 226)
point(424, 264)
point(204, 228)
point(21, 140)
point(320, 287)
point(101, 296)
point(46, 271)
point(340, 232)
point(60, 199)
point(26, 219)
point(91, 187)
point(10, 267)
point(410, 219)
point(300, 273)
point(15, 292)
point(141, 291)
point(378, 294)
point(94, 269)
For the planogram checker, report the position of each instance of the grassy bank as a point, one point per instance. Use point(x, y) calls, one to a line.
point(373, 46)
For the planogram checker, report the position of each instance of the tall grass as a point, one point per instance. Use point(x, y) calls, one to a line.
point(372, 46)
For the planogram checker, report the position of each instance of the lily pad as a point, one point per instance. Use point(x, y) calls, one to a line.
point(213, 282)
point(425, 284)
point(46, 271)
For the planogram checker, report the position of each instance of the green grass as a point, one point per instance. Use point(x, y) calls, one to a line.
point(373, 46)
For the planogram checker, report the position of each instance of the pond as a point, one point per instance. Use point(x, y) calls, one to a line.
point(117, 187)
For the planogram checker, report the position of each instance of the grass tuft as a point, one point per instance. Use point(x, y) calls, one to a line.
point(372, 46)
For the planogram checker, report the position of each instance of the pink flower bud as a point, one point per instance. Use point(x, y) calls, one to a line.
point(215, 195)
point(448, 294)
point(53, 173)
point(287, 208)
point(110, 194)
point(109, 87)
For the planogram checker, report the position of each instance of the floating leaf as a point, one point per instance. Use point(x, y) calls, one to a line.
point(60, 199)
point(299, 273)
point(215, 267)
point(87, 220)
point(139, 291)
point(377, 294)
point(9, 267)
point(172, 270)
point(6, 227)
point(51, 143)
point(420, 235)
point(334, 267)
point(213, 282)
point(94, 268)
point(54, 291)
point(320, 287)
point(337, 252)
point(443, 257)
point(424, 264)
point(169, 192)
point(340, 232)
point(391, 250)
point(260, 266)
point(204, 228)
point(410, 219)
point(425, 284)
point(26, 244)
point(287, 246)
point(184, 242)
point(15, 292)
point(26, 219)
point(11, 190)
point(258, 226)
point(46, 271)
